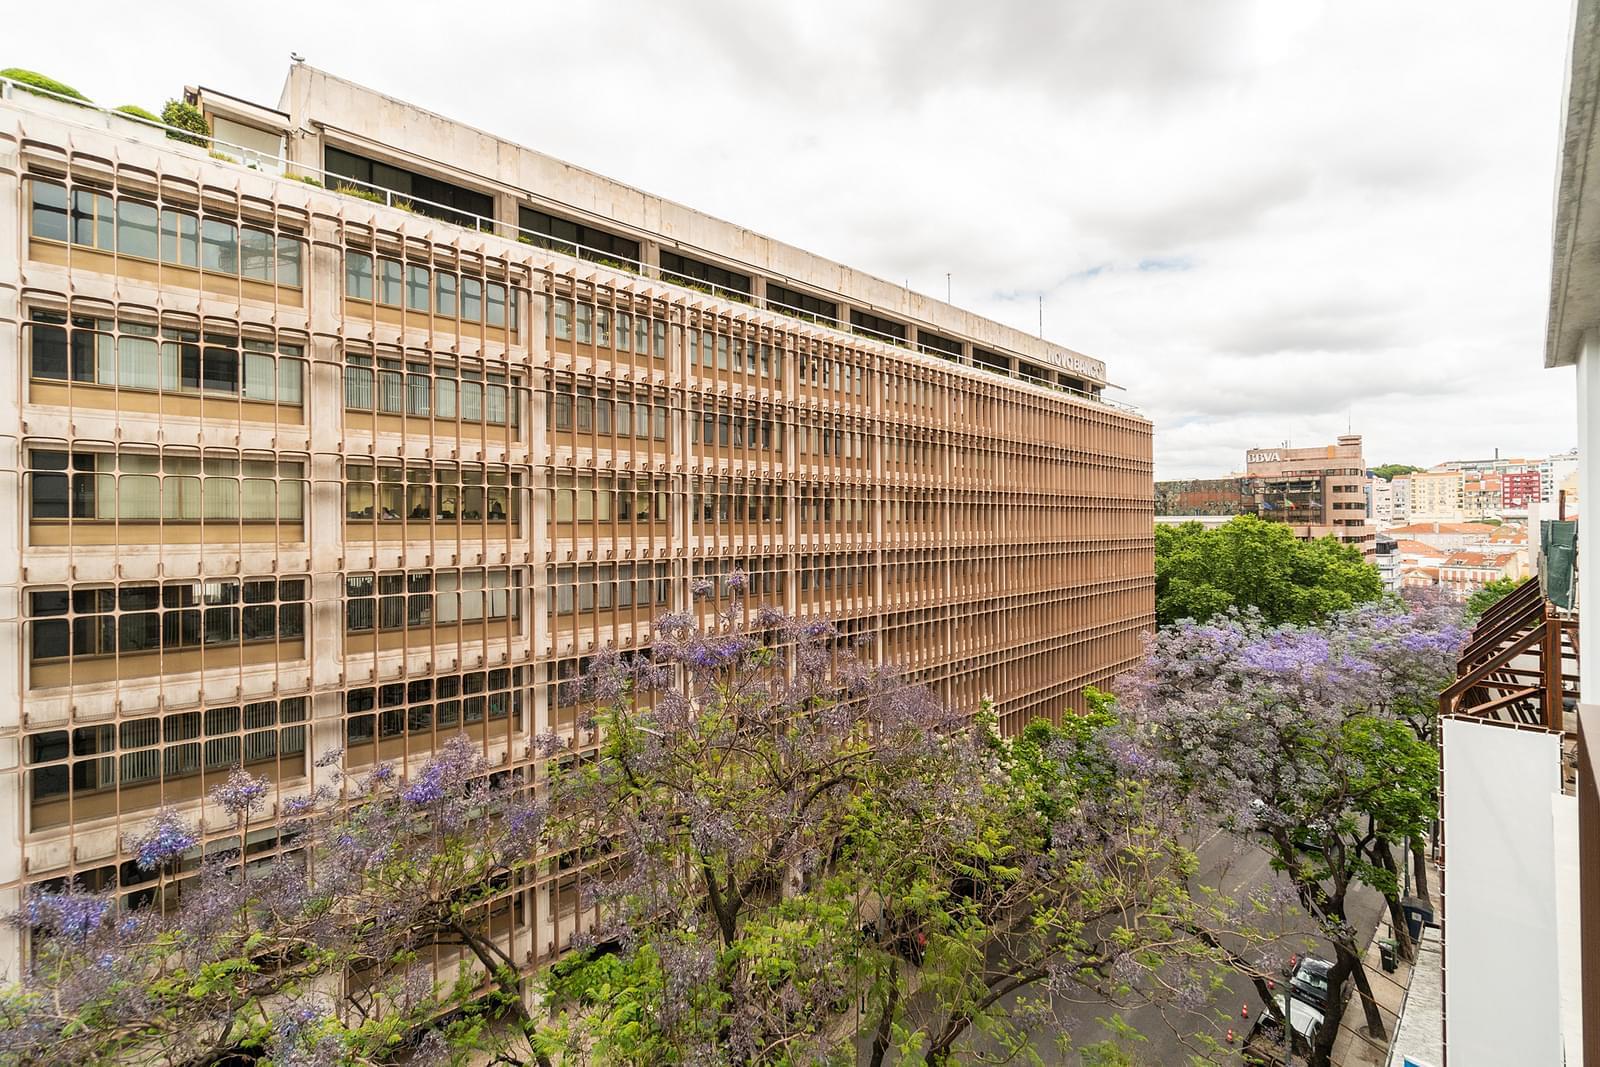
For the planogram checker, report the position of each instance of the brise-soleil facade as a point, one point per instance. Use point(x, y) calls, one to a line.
point(297, 473)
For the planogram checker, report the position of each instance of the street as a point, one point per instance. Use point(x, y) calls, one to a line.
point(1170, 1030)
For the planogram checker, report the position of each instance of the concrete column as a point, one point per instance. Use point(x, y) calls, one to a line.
point(1588, 389)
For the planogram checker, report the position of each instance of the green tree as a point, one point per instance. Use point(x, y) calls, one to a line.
point(1390, 471)
point(1250, 563)
point(1490, 595)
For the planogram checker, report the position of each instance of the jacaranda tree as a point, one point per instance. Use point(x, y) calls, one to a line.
point(792, 856)
point(807, 853)
point(322, 957)
point(1303, 739)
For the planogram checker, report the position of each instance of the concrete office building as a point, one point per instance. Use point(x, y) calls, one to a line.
point(298, 472)
point(1319, 491)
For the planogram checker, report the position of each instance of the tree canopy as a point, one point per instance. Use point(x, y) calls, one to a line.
point(1249, 563)
point(1490, 595)
point(1309, 741)
point(1390, 471)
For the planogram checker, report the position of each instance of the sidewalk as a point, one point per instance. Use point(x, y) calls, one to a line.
point(1353, 1047)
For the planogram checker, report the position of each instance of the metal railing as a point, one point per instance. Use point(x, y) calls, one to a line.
point(332, 181)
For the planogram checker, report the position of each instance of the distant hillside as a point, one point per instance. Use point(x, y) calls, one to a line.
point(1390, 471)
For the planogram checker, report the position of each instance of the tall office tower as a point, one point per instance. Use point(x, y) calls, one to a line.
point(356, 428)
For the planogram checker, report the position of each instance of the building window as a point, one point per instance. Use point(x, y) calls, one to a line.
point(141, 230)
point(587, 587)
point(391, 386)
point(877, 327)
point(427, 195)
point(148, 758)
point(445, 492)
point(683, 270)
point(137, 355)
point(171, 487)
point(801, 305)
point(397, 600)
point(87, 622)
point(423, 705)
point(574, 238)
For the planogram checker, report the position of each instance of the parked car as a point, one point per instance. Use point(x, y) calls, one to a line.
point(1310, 982)
point(1263, 1046)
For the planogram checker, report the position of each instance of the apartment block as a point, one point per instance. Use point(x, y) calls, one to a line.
point(357, 428)
point(1437, 496)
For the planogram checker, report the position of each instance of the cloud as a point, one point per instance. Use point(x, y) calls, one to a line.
point(1271, 220)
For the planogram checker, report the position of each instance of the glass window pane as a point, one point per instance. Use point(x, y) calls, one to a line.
point(220, 370)
point(389, 282)
point(256, 254)
point(357, 276)
point(471, 299)
point(496, 305)
point(445, 286)
point(179, 238)
point(49, 345)
point(290, 252)
point(416, 287)
point(290, 372)
point(49, 210)
point(260, 377)
point(219, 247)
point(136, 229)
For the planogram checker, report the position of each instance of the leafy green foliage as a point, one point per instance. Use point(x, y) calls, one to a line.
point(186, 116)
point(1251, 563)
point(1390, 471)
point(139, 113)
point(1490, 595)
point(360, 192)
point(28, 79)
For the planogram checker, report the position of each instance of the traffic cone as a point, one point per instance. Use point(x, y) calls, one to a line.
point(1244, 1011)
point(1230, 1035)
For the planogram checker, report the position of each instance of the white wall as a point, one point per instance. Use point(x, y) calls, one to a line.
point(1501, 974)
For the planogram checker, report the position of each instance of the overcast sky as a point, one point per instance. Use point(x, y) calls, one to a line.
point(1269, 219)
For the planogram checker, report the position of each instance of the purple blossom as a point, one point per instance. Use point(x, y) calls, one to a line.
point(167, 838)
point(241, 794)
point(73, 914)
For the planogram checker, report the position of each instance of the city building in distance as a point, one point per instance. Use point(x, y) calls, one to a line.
point(356, 428)
point(1318, 492)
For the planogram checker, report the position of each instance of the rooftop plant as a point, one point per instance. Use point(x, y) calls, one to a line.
point(28, 79)
point(186, 117)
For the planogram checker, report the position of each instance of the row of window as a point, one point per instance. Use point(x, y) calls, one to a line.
point(446, 492)
point(428, 704)
point(398, 600)
point(603, 586)
point(600, 411)
point(584, 498)
point(729, 429)
point(428, 290)
point(93, 218)
point(599, 325)
point(147, 750)
point(710, 350)
point(754, 504)
point(393, 387)
point(170, 616)
point(129, 486)
point(129, 354)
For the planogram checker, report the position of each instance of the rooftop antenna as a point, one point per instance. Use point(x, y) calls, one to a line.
point(947, 287)
point(1041, 316)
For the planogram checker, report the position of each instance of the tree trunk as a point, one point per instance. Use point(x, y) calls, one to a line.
point(1375, 1026)
point(1397, 915)
point(1322, 1045)
point(885, 1031)
point(1419, 872)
